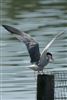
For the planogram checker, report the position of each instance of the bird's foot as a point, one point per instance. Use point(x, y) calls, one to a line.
point(41, 72)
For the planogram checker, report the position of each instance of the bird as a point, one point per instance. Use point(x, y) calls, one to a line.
point(37, 59)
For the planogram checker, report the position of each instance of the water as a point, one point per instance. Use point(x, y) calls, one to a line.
point(42, 19)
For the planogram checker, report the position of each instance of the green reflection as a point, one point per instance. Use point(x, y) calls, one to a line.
point(14, 7)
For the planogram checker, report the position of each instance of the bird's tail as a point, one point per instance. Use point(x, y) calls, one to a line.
point(34, 67)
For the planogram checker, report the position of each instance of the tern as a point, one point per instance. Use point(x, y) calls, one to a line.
point(38, 60)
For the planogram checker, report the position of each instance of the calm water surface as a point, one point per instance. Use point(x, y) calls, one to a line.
point(42, 19)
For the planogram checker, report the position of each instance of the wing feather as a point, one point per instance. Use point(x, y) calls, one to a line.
point(49, 44)
point(32, 45)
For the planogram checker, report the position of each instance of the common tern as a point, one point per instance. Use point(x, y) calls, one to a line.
point(38, 60)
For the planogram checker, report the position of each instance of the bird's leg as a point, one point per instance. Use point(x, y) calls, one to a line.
point(39, 72)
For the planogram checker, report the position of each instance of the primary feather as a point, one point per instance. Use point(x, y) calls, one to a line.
point(32, 45)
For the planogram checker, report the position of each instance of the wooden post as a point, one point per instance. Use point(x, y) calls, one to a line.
point(45, 87)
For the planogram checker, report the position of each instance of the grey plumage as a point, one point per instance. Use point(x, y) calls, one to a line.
point(40, 60)
point(32, 45)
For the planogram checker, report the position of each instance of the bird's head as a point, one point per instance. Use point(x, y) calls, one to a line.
point(50, 57)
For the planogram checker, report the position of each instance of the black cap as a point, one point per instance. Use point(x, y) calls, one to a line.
point(48, 53)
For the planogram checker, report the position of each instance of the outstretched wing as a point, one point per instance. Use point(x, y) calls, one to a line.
point(49, 44)
point(32, 45)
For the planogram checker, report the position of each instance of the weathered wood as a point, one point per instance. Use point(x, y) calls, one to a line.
point(45, 87)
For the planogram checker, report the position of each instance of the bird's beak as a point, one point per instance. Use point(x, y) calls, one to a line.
point(51, 60)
